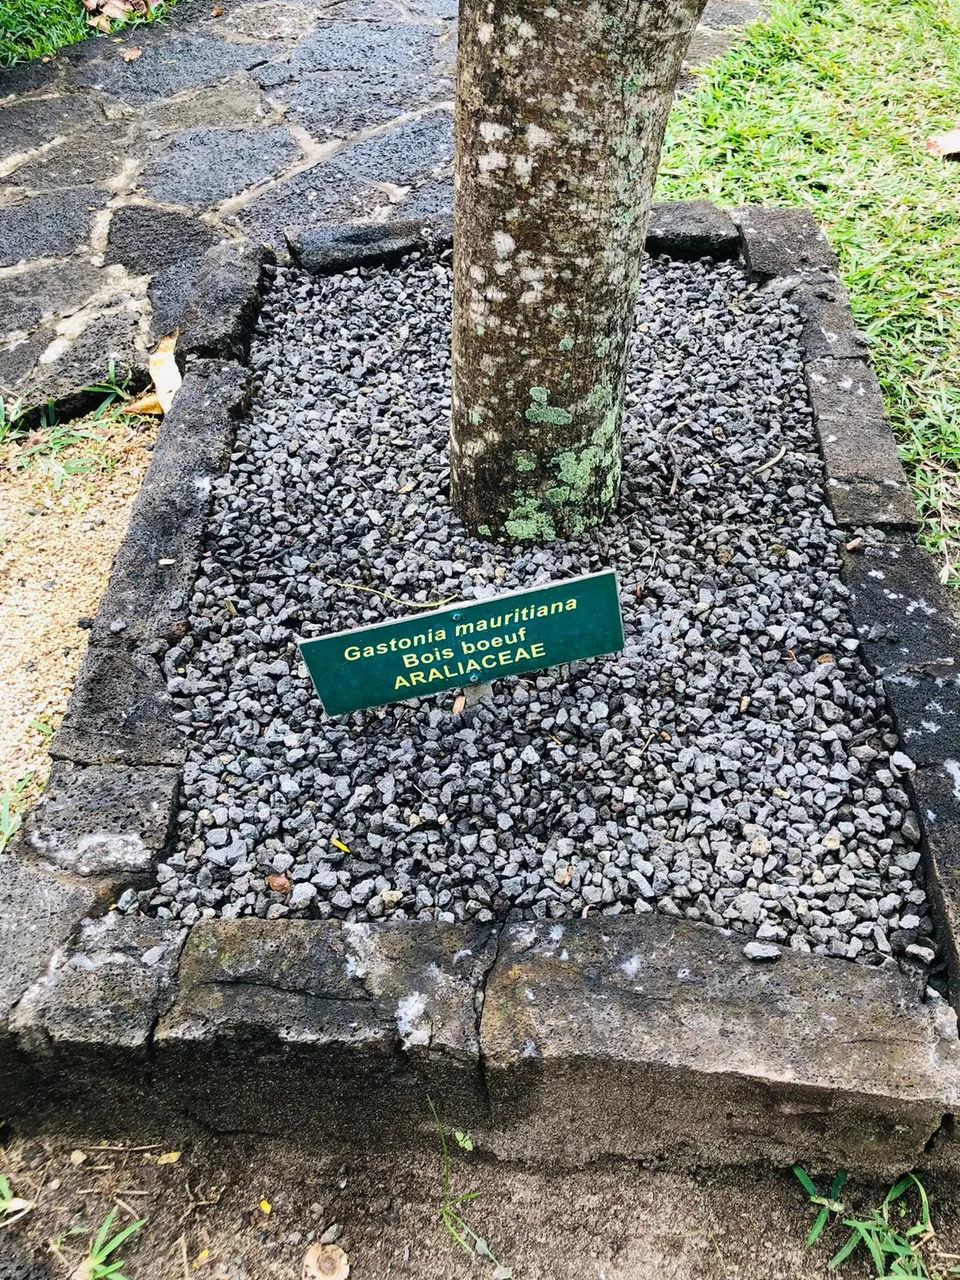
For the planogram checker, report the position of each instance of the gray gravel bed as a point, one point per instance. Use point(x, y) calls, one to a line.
point(734, 764)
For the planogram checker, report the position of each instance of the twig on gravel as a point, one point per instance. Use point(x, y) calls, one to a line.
point(675, 455)
point(407, 604)
point(772, 463)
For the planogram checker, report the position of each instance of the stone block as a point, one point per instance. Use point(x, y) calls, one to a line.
point(690, 230)
point(654, 1039)
point(900, 611)
point(154, 571)
point(328, 250)
point(782, 242)
point(119, 713)
point(935, 791)
point(829, 329)
point(352, 1024)
point(102, 819)
point(858, 503)
point(39, 910)
point(225, 301)
point(105, 991)
point(851, 422)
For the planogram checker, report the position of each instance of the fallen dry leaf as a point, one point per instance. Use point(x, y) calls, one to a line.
point(100, 22)
point(279, 884)
point(166, 379)
point(459, 702)
point(946, 145)
point(266, 1207)
point(77, 1157)
point(216, 12)
point(169, 1157)
point(325, 1262)
point(131, 55)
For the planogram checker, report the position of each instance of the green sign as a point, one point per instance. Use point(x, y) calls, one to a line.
point(466, 644)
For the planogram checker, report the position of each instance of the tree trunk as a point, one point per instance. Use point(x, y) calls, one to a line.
point(561, 107)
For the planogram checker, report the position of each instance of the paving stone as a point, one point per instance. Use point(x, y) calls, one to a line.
point(203, 166)
point(266, 20)
point(97, 819)
point(47, 226)
point(106, 990)
point(900, 611)
point(322, 195)
point(851, 422)
point(606, 1035)
point(367, 46)
point(172, 61)
point(235, 101)
point(708, 43)
point(859, 503)
point(31, 296)
point(402, 155)
point(92, 156)
point(113, 336)
point(782, 242)
point(430, 199)
point(732, 13)
point(119, 713)
point(690, 230)
point(335, 104)
point(146, 239)
point(170, 291)
point(447, 10)
point(30, 77)
point(26, 124)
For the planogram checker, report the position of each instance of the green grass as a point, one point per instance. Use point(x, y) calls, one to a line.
point(828, 106)
point(31, 29)
point(898, 1236)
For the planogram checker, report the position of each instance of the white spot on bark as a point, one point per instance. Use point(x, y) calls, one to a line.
point(484, 33)
point(503, 244)
point(478, 274)
point(491, 161)
point(538, 137)
point(525, 31)
point(523, 167)
point(491, 132)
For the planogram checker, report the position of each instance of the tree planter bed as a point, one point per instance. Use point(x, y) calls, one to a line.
point(453, 877)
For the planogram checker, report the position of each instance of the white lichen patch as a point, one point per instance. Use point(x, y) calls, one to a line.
point(503, 244)
point(414, 1026)
point(538, 137)
point(493, 132)
point(491, 162)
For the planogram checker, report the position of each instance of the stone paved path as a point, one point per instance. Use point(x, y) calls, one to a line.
point(117, 175)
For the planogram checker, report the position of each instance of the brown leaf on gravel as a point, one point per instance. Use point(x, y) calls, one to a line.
point(945, 145)
point(325, 1262)
point(279, 884)
point(131, 55)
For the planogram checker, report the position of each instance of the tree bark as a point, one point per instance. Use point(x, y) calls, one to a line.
point(561, 108)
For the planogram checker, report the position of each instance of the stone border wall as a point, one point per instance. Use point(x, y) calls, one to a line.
point(642, 1037)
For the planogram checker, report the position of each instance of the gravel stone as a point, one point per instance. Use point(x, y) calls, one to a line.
point(735, 764)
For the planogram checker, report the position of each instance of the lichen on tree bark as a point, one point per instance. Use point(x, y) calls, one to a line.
point(560, 115)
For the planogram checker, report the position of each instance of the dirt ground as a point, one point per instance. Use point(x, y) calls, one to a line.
point(65, 498)
point(248, 1209)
